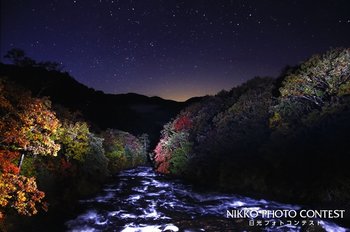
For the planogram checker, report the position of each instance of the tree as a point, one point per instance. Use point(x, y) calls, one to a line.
point(319, 82)
point(20, 193)
point(162, 156)
point(18, 57)
point(7, 162)
point(74, 138)
point(182, 123)
point(319, 79)
point(181, 153)
point(123, 149)
point(28, 125)
point(174, 149)
point(95, 164)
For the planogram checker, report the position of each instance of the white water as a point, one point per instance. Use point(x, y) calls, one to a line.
point(143, 201)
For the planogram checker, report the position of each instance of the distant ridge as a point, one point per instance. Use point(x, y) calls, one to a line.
point(131, 112)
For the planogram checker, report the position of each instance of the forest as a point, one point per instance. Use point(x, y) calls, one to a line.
point(50, 157)
point(284, 139)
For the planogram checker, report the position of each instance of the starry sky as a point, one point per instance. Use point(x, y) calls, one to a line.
point(173, 49)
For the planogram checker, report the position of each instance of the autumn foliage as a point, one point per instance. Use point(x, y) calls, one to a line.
point(174, 149)
point(124, 150)
point(7, 162)
point(61, 155)
point(21, 193)
point(182, 123)
point(285, 138)
point(162, 157)
point(27, 126)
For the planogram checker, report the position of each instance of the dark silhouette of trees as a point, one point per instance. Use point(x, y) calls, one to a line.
point(18, 57)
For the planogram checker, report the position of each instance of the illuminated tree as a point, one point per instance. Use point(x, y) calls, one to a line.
point(162, 156)
point(182, 123)
point(173, 151)
point(20, 193)
point(74, 139)
point(124, 149)
point(318, 83)
point(95, 164)
point(28, 125)
point(181, 153)
point(7, 162)
point(319, 79)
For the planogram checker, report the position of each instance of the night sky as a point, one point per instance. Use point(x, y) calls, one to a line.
point(173, 49)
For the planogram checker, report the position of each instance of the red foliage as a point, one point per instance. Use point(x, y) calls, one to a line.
point(182, 123)
point(162, 157)
point(163, 167)
point(7, 162)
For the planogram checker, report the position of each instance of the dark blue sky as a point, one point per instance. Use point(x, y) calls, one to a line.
point(173, 49)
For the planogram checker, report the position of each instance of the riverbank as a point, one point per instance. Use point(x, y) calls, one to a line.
point(213, 186)
point(285, 139)
point(140, 198)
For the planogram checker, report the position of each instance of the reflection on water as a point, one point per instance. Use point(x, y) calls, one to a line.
point(143, 201)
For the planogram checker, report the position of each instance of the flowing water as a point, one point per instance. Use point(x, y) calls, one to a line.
point(142, 200)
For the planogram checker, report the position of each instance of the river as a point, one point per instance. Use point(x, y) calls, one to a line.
point(144, 201)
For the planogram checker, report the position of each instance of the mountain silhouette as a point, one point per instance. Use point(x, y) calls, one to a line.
point(130, 112)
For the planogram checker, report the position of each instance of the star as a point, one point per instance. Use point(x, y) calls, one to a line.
point(169, 41)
